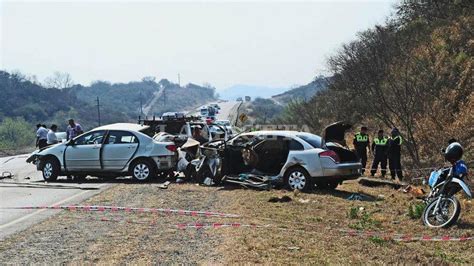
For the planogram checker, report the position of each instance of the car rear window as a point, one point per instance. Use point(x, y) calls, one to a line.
point(312, 140)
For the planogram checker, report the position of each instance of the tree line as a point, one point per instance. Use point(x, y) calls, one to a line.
point(415, 73)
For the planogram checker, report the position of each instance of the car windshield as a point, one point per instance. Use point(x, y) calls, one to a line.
point(312, 140)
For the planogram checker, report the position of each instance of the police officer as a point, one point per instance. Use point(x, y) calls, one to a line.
point(394, 154)
point(361, 144)
point(379, 149)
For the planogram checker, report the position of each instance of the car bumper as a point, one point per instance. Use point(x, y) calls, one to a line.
point(343, 171)
point(165, 162)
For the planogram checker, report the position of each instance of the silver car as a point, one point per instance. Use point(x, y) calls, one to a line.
point(301, 160)
point(107, 151)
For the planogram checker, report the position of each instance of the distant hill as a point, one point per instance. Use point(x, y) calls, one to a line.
point(24, 99)
point(119, 102)
point(304, 93)
point(154, 97)
point(240, 90)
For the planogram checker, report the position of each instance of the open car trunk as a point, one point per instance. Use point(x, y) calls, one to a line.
point(333, 136)
point(344, 153)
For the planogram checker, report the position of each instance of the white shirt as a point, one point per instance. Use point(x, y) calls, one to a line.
point(52, 138)
point(42, 133)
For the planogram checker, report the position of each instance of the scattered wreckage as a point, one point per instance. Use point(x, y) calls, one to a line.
point(260, 159)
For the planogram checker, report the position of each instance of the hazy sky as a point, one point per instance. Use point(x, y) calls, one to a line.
point(266, 43)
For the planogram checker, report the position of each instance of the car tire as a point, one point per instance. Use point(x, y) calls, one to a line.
point(299, 179)
point(50, 169)
point(142, 171)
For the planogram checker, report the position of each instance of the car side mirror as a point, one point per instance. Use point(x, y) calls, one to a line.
point(70, 142)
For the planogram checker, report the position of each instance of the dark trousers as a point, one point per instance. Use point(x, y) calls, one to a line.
point(362, 154)
point(395, 166)
point(382, 160)
point(42, 143)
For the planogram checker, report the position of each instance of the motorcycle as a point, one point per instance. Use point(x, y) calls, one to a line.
point(442, 207)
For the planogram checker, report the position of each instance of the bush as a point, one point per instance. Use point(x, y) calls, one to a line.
point(16, 133)
point(416, 210)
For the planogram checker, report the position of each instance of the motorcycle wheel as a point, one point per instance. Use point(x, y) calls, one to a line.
point(447, 214)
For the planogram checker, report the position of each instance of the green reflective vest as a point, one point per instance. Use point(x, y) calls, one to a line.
point(399, 137)
point(382, 142)
point(361, 138)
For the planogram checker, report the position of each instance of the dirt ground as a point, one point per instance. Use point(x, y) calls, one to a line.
point(307, 229)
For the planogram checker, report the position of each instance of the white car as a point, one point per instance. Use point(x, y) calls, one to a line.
point(225, 124)
point(112, 150)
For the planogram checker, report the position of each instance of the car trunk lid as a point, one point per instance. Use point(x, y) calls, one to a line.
point(335, 132)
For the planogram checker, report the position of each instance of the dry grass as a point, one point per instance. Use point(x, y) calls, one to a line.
point(304, 230)
point(310, 232)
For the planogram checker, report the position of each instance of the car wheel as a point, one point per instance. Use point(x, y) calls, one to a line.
point(142, 171)
point(50, 170)
point(299, 179)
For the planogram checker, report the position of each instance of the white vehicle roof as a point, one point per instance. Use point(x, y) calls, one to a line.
point(123, 126)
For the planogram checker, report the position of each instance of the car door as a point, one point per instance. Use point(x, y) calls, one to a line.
point(83, 154)
point(118, 150)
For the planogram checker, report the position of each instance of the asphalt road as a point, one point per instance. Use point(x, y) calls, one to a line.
point(27, 188)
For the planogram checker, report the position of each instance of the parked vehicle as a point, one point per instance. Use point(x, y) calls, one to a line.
point(172, 115)
point(107, 151)
point(215, 106)
point(204, 111)
point(299, 160)
point(442, 207)
point(220, 126)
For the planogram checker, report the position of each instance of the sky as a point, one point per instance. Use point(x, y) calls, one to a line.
point(266, 43)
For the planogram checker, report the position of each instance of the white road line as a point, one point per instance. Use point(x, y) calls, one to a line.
point(42, 210)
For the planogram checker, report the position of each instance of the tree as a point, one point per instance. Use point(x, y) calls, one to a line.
point(59, 80)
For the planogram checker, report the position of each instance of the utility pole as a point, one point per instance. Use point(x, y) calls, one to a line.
point(179, 80)
point(141, 103)
point(98, 110)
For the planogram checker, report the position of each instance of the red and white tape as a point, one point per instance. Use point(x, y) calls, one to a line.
point(405, 237)
point(381, 235)
point(217, 225)
point(129, 209)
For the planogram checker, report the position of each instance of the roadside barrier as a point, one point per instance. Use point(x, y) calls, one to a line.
point(129, 209)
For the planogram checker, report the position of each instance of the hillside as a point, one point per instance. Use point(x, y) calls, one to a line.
point(414, 73)
point(253, 91)
point(26, 103)
point(154, 97)
point(304, 92)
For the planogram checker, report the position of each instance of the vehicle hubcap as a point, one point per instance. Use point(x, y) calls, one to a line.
point(48, 170)
point(141, 171)
point(297, 180)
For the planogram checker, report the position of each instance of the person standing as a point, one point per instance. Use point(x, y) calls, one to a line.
point(73, 130)
point(361, 144)
point(51, 137)
point(394, 154)
point(41, 136)
point(379, 149)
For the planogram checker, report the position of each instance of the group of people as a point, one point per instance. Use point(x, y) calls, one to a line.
point(45, 137)
point(385, 149)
